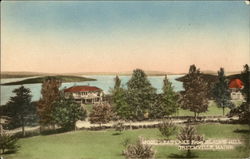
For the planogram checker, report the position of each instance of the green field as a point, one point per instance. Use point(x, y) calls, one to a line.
point(106, 145)
point(213, 110)
point(64, 79)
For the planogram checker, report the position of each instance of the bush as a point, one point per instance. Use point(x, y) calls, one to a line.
point(119, 127)
point(8, 142)
point(167, 128)
point(101, 113)
point(139, 151)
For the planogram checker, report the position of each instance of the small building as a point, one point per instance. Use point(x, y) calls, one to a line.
point(236, 85)
point(84, 94)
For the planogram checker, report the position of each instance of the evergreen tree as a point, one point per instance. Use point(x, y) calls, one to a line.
point(117, 83)
point(140, 94)
point(66, 112)
point(50, 93)
point(194, 97)
point(165, 103)
point(119, 103)
point(221, 91)
point(19, 108)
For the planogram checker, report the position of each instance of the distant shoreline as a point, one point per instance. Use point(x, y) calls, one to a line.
point(7, 74)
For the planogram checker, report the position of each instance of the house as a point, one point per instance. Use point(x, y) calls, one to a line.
point(84, 94)
point(236, 85)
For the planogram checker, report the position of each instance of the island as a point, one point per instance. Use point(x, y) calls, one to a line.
point(64, 79)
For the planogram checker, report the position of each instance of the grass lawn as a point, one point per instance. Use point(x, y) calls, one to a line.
point(213, 110)
point(106, 145)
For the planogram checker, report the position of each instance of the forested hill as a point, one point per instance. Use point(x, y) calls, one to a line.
point(64, 79)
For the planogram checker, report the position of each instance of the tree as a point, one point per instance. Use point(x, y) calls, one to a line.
point(121, 108)
point(139, 151)
point(8, 142)
point(166, 103)
point(117, 83)
point(66, 112)
point(140, 94)
point(167, 128)
point(221, 91)
point(194, 98)
point(19, 108)
point(245, 74)
point(189, 137)
point(101, 113)
point(50, 93)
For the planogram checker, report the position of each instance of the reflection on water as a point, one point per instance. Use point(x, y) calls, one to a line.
point(105, 82)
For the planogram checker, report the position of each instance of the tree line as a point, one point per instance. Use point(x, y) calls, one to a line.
point(137, 101)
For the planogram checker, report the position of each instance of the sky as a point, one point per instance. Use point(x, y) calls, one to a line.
point(109, 36)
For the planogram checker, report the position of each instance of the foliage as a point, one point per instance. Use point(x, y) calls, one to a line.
point(194, 98)
point(189, 137)
point(189, 134)
point(8, 142)
point(117, 83)
point(221, 91)
point(19, 108)
point(101, 113)
point(139, 151)
point(50, 93)
point(242, 112)
point(166, 103)
point(140, 94)
point(119, 127)
point(245, 74)
point(66, 112)
point(167, 128)
point(121, 108)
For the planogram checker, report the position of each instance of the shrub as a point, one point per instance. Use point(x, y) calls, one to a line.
point(139, 151)
point(119, 127)
point(189, 137)
point(101, 113)
point(167, 128)
point(8, 142)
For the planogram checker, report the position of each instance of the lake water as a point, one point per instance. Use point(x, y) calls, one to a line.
point(105, 82)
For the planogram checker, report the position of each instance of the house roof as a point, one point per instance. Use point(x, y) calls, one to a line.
point(236, 83)
point(82, 89)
